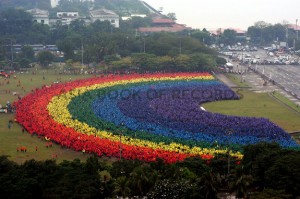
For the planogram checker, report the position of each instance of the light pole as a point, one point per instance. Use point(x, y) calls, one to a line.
point(12, 53)
point(81, 54)
point(144, 45)
point(228, 153)
point(297, 28)
point(120, 133)
point(180, 45)
point(120, 145)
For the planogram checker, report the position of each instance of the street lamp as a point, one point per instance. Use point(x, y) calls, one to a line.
point(228, 153)
point(144, 44)
point(297, 28)
point(120, 145)
point(180, 45)
point(12, 53)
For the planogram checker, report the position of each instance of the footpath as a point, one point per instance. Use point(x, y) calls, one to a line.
point(258, 84)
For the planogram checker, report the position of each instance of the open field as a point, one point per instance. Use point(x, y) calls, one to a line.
point(258, 105)
point(11, 139)
point(286, 101)
point(252, 104)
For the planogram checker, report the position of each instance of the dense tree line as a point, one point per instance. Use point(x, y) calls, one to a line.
point(262, 33)
point(28, 4)
point(142, 62)
point(99, 41)
point(266, 171)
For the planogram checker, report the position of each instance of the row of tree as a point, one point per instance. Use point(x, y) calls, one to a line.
point(263, 33)
point(93, 43)
point(266, 171)
point(149, 62)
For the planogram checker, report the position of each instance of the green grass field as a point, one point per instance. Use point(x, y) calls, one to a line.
point(258, 105)
point(253, 104)
point(286, 101)
point(237, 80)
point(11, 139)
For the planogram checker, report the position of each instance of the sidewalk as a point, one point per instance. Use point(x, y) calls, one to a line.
point(225, 80)
point(256, 83)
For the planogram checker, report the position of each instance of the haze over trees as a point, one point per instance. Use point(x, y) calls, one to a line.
point(100, 41)
point(266, 171)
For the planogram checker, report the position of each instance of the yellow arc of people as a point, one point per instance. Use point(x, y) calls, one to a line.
point(58, 110)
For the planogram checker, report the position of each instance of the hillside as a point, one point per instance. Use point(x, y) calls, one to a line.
point(122, 7)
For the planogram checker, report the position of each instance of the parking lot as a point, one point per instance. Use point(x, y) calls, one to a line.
point(283, 77)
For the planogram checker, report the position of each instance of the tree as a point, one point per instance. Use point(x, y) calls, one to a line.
point(203, 36)
point(241, 182)
point(182, 62)
point(261, 24)
point(24, 62)
point(260, 157)
point(264, 33)
point(142, 179)
point(272, 194)
point(255, 33)
point(207, 185)
point(135, 22)
point(26, 56)
point(228, 37)
point(14, 21)
point(45, 58)
point(121, 187)
point(67, 47)
point(168, 188)
point(172, 16)
point(284, 173)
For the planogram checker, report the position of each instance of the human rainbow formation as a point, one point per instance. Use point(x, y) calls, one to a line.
point(144, 116)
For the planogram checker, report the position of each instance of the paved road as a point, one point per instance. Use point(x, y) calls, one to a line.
point(288, 76)
point(225, 80)
point(285, 77)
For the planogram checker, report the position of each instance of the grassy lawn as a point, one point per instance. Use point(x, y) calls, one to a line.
point(258, 105)
point(253, 104)
point(29, 81)
point(11, 139)
point(286, 101)
point(236, 79)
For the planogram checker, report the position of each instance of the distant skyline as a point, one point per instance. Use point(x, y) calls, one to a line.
point(214, 14)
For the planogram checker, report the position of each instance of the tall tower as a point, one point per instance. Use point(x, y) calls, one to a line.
point(54, 3)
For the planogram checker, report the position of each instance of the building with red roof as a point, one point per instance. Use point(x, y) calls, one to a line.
point(163, 25)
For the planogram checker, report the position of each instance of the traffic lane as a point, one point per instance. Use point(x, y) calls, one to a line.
point(285, 75)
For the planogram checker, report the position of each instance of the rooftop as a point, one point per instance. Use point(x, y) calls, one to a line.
point(294, 27)
point(162, 20)
point(103, 12)
point(220, 30)
point(36, 11)
point(175, 28)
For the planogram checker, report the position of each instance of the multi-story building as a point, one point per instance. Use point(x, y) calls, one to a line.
point(64, 18)
point(164, 25)
point(39, 16)
point(55, 3)
point(105, 15)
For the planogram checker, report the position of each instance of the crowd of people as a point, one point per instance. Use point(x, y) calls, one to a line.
point(135, 129)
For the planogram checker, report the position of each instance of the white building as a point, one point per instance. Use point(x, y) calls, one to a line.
point(65, 18)
point(55, 3)
point(134, 15)
point(105, 15)
point(39, 16)
point(67, 14)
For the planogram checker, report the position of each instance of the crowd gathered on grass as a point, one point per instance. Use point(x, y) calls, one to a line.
point(85, 116)
point(146, 120)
